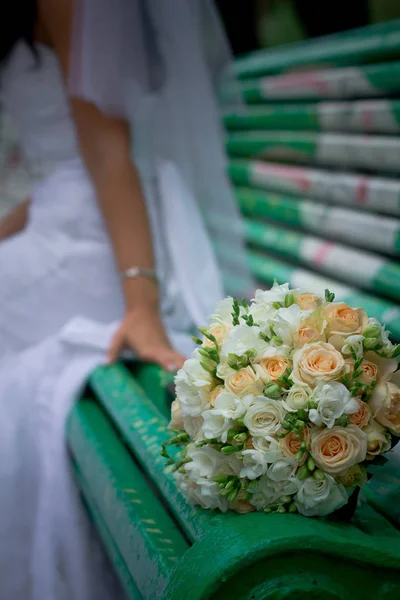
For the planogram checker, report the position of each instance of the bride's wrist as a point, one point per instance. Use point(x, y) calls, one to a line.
point(141, 294)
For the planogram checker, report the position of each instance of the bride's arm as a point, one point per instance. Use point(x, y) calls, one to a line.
point(105, 147)
point(14, 221)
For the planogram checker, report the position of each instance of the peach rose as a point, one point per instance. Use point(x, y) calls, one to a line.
point(378, 441)
point(291, 444)
point(215, 393)
point(270, 369)
point(315, 363)
point(337, 449)
point(219, 331)
point(308, 301)
point(385, 406)
point(385, 366)
point(176, 416)
point(362, 416)
point(241, 505)
point(244, 382)
point(344, 320)
point(308, 333)
point(353, 476)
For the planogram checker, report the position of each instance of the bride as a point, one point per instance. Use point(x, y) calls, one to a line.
point(118, 123)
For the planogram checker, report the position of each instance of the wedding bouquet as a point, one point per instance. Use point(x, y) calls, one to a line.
point(284, 405)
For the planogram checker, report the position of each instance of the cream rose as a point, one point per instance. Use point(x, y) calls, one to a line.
point(176, 416)
point(344, 320)
point(291, 444)
point(339, 448)
point(385, 406)
point(315, 363)
point(355, 475)
point(244, 382)
point(219, 331)
point(264, 417)
point(297, 397)
point(271, 368)
point(308, 301)
point(378, 441)
point(362, 416)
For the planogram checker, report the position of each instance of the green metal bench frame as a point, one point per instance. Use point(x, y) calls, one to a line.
point(162, 547)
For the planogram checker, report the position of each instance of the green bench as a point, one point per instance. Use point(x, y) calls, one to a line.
point(162, 548)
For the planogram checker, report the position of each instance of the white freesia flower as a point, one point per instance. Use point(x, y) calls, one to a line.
point(317, 498)
point(223, 312)
point(193, 426)
point(355, 342)
point(264, 417)
point(384, 335)
point(286, 323)
point(207, 494)
point(269, 446)
point(282, 469)
point(192, 400)
point(272, 351)
point(262, 314)
point(228, 405)
point(206, 462)
point(193, 384)
point(333, 400)
point(277, 293)
point(254, 464)
point(216, 426)
point(242, 339)
point(297, 397)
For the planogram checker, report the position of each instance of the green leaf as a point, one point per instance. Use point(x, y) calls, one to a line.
point(329, 296)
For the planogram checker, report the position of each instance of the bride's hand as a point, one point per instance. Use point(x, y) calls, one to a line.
point(143, 332)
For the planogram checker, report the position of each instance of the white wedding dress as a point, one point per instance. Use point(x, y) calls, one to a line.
point(60, 301)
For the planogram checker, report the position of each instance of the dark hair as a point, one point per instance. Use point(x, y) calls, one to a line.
point(17, 25)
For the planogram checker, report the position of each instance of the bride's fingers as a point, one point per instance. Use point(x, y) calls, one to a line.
point(117, 345)
point(166, 357)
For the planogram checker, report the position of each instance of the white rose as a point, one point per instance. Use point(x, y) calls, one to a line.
point(286, 323)
point(297, 397)
point(254, 464)
point(206, 462)
point(269, 446)
point(274, 490)
point(317, 498)
point(228, 405)
point(242, 339)
point(333, 400)
point(282, 469)
point(216, 426)
point(243, 382)
point(264, 417)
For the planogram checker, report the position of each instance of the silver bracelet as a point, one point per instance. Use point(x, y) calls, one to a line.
point(134, 272)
